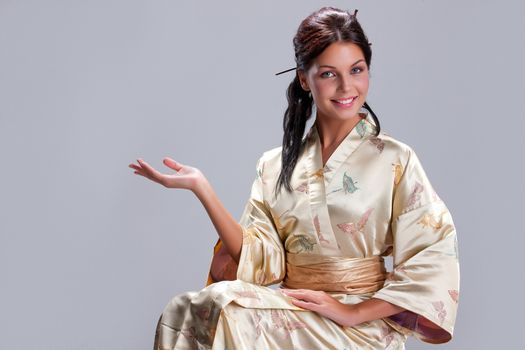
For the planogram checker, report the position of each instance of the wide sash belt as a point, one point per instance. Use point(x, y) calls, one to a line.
point(334, 274)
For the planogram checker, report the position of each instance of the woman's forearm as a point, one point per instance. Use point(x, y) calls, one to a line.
point(229, 230)
point(373, 309)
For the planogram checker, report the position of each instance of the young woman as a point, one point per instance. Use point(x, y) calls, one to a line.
point(324, 210)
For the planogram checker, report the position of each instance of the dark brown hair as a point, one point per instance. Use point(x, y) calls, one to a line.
point(315, 33)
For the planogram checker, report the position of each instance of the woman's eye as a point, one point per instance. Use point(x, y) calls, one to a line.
point(356, 70)
point(327, 74)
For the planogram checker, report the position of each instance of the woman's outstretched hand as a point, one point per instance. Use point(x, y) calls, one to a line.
point(187, 177)
point(230, 232)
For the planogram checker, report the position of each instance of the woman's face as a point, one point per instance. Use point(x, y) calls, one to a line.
point(338, 79)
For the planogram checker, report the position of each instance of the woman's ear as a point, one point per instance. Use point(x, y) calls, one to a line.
point(302, 80)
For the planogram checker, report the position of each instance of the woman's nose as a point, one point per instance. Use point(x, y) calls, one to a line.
point(345, 83)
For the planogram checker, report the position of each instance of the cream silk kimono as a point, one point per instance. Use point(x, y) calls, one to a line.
point(371, 199)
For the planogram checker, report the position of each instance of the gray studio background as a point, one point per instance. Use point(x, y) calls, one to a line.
point(91, 253)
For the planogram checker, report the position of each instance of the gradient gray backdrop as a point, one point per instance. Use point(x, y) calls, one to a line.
point(91, 253)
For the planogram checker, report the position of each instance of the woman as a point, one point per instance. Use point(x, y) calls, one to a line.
point(320, 221)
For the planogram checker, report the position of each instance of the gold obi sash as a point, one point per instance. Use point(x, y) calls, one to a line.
point(334, 274)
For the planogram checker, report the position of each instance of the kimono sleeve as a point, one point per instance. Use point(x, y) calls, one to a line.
point(262, 259)
point(425, 278)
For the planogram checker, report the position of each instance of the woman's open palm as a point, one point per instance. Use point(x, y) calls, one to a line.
point(185, 177)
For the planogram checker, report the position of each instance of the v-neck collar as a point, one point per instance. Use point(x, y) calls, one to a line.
point(319, 178)
point(359, 133)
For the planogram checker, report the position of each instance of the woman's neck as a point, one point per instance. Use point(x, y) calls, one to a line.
point(332, 132)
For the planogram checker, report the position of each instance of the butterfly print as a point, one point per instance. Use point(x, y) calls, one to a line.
point(304, 243)
point(428, 220)
point(248, 294)
point(189, 332)
point(454, 294)
point(319, 173)
point(353, 228)
point(398, 172)
point(203, 313)
point(415, 196)
point(386, 333)
point(257, 318)
point(303, 187)
point(318, 230)
point(349, 184)
point(260, 171)
point(279, 320)
point(376, 141)
point(198, 338)
point(439, 306)
point(361, 128)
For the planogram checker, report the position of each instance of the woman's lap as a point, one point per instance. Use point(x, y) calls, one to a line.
point(218, 316)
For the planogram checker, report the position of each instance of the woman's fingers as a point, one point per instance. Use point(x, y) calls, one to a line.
point(303, 294)
point(172, 164)
point(306, 305)
point(137, 168)
point(322, 303)
point(147, 171)
point(185, 177)
point(303, 300)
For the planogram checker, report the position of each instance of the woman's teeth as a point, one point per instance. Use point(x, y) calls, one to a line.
point(345, 102)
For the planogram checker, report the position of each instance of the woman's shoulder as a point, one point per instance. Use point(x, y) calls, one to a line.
point(394, 143)
point(269, 162)
point(272, 156)
point(400, 149)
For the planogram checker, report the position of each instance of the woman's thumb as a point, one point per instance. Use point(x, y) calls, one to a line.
point(172, 164)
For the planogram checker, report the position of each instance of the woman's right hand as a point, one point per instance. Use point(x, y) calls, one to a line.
point(230, 232)
point(187, 177)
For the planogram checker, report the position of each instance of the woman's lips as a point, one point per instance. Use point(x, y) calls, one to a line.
point(345, 103)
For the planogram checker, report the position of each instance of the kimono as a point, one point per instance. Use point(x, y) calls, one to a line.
point(372, 199)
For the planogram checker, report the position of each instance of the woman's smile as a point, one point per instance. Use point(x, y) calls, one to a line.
point(345, 102)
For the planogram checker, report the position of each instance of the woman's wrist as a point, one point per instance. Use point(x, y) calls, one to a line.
point(201, 188)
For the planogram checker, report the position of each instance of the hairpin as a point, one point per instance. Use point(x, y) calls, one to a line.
point(284, 71)
point(355, 12)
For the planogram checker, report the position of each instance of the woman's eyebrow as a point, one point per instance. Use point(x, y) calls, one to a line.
point(353, 64)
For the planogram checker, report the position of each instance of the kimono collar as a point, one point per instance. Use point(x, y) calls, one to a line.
point(359, 133)
point(319, 178)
